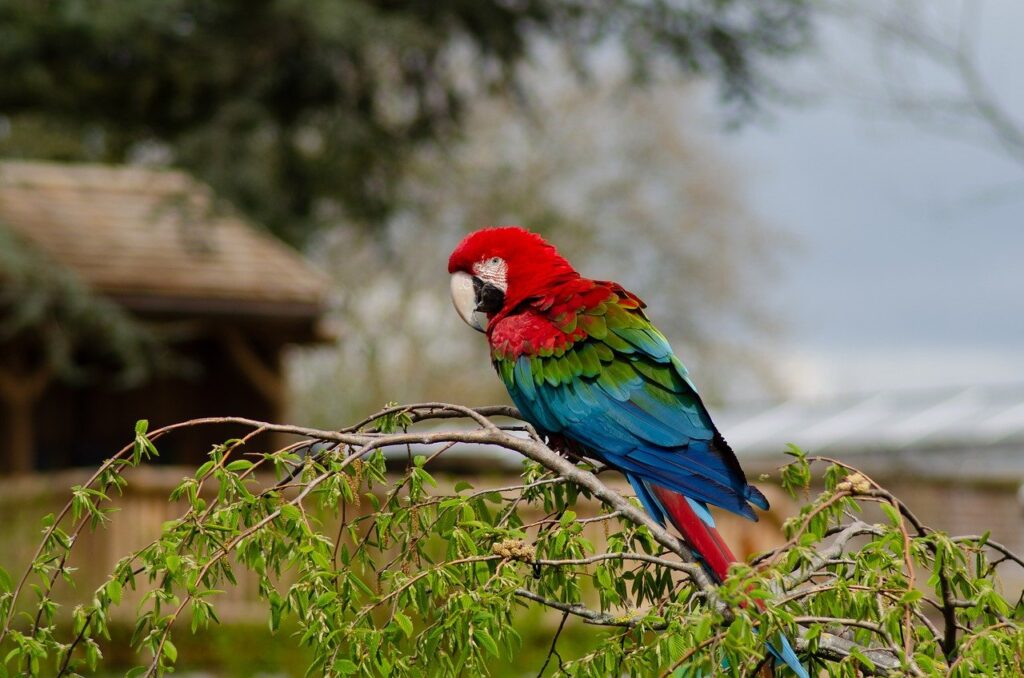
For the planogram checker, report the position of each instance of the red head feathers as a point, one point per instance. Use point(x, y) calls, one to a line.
point(511, 259)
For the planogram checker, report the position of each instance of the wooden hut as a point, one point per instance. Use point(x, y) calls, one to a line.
point(226, 298)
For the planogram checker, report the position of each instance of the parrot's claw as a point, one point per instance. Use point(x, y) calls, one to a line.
point(564, 447)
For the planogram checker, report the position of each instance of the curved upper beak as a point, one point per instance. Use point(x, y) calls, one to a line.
point(464, 296)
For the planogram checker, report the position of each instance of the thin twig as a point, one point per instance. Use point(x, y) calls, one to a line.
point(552, 650)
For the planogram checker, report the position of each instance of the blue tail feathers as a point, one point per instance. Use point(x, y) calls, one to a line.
point(783, 651)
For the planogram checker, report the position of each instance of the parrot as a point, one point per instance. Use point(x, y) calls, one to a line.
point(584, 365)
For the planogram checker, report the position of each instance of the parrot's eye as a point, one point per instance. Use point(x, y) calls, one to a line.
point(493, 271)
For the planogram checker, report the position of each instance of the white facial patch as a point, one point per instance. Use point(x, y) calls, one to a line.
point(493, 271)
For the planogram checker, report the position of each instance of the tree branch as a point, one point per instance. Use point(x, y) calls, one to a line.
point(583, 612)
point(834, 648)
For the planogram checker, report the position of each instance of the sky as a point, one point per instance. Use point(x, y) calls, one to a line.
point(910, 266)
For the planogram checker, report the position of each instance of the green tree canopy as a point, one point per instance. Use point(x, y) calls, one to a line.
point(51, 321)
point(303, 111)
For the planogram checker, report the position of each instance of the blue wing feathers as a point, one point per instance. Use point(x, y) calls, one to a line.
point(680, 464)
point(629, 400)
point(755, 497)
point(638, 426)
point(689, 485)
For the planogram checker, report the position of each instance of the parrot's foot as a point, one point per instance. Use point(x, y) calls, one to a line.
point(562, 446)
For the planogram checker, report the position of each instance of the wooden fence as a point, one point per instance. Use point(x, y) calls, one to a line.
point(143, 509)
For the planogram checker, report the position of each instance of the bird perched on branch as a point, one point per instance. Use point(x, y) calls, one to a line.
point(583, 363)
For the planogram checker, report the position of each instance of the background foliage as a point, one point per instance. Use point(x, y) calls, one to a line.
point(299, 111)
point(49, 318)
point(571, 171)
point(390, 575)
point(356, 125)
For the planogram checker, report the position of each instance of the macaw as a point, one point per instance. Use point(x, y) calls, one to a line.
point(583, 363)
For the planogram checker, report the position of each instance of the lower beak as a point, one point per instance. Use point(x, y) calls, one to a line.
point(465, 301)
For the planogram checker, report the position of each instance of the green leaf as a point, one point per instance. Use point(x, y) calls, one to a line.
point(404, 623)
point(462, 485)
point(345, 667)
point(92, 653)
point(860, 656)
point(114, 591)
point(240, 465)
point(5, 580)
point(424, 477)
point(892, 512)
point(361, 585)
point(911, 596)
point(487, 641)
point(170, 651)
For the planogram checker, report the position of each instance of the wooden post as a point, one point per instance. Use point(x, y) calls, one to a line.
point(265, 378)
point(20, 392)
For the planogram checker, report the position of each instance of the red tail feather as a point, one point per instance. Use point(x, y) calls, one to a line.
point(704, 539)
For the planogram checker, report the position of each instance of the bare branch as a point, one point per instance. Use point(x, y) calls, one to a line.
point(642, 557)
point(834, 648)
point(829, 554)
point(590, 616)
point(973, 110)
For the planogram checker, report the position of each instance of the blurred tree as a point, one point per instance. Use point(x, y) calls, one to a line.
point(53, 327)
point(941, 39)
point(297, 111)
point(652, 205)
point(51, 324)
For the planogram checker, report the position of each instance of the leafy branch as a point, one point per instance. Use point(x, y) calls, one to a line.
point(387, 571)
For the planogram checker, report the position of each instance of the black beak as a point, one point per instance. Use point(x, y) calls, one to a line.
point(489, 299)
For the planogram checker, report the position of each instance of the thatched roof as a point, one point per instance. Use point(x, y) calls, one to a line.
point(155, 240)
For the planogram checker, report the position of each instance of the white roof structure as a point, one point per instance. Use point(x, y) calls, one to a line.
point(973, 431)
